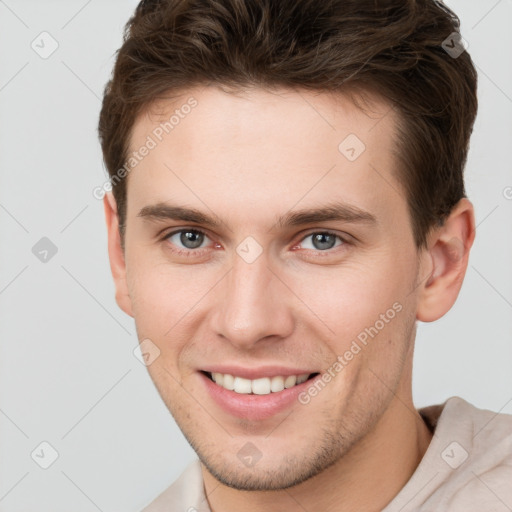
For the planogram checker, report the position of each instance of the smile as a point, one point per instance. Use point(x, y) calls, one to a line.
point(256, 394)
point(261, 386)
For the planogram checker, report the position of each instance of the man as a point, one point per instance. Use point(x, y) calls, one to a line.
point(287, 202)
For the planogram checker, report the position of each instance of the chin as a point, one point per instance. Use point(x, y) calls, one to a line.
point(281, 471)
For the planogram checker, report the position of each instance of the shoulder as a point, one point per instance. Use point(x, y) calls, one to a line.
point(185, 494)
point(483, 475)
point(485, 435)
point(468, 464)
point(475, 447)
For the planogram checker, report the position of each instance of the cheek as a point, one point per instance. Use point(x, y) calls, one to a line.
point(343, 301)
point(149, 295)
point(156, 300)
point(167, 302)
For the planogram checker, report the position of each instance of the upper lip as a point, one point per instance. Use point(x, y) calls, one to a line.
point(256, 373)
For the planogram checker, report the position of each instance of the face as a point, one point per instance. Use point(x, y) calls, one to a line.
point(267, 238)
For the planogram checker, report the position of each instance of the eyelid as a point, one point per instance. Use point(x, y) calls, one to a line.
point(167, 232)
point(173, 232)
point(345, 238)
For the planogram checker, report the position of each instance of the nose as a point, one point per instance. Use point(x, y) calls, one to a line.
point(253, 305)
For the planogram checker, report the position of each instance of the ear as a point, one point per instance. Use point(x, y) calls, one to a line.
point(116, 254)
point(445, 262)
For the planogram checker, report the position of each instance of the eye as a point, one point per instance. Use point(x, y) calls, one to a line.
point(322, 241)
point(187, 240)
point(193, 242)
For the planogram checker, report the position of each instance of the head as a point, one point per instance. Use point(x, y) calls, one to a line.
point(287, 192)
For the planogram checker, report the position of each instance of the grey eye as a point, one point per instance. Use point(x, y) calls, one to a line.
point(188, 238)
point(322, 241)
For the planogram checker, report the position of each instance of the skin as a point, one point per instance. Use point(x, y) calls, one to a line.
point(246, 159)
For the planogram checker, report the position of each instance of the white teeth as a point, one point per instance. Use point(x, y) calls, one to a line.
point(242, 385)
point(302, 378)
point(277, 384)
point(263, 386)
point(290, 381)
point(227, 381)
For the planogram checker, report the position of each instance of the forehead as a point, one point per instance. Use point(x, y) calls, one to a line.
point(256, 113)
point(258, 149)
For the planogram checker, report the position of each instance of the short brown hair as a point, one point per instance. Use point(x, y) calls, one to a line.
point(393, 47)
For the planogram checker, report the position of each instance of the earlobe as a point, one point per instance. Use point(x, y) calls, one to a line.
point(447, 260)
point(116, 254)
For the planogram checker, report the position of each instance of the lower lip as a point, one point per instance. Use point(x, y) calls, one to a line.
point(254, 407)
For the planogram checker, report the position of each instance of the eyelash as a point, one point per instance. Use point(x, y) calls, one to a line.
point(198, 252)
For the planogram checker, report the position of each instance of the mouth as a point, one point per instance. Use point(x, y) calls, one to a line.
point(259, 386)
point(256, 394)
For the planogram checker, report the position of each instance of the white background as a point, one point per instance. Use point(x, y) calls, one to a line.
point(68, 375)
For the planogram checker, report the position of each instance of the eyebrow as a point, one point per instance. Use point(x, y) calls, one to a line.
point(330, 212)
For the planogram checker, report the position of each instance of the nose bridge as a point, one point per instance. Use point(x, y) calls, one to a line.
point(253, 305)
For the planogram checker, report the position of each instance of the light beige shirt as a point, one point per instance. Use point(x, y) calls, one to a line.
point(467, 467)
